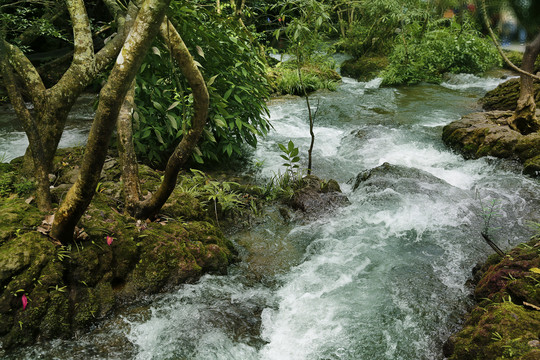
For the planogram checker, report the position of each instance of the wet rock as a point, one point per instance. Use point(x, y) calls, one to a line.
point(505, 96)
point(399, 178)
point(314, 196)
point(488, 134)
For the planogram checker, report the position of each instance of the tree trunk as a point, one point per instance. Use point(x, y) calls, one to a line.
point(201, 100)
point(128, 158)
point(44, 202)
point(52, 105)
point(112, 97)
point(311, 133)
point(524, 119)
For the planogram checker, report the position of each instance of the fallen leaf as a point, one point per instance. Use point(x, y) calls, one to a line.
point(29, 200)
point(48, 220)
point(24, 302)
point(109, 240)
point(535, 270)
point(43, 230)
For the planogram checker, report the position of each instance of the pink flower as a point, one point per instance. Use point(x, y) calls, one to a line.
point(24, 301)
point(109, 240)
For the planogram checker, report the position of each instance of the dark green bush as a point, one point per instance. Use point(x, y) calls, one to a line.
point(445, 47)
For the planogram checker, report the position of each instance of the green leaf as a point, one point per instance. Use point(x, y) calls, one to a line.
point(290, 146)
point(294, 152)
point(198, 158)
point(173, 105)
point(238, 123)
point(209, 136)
point(284, 157)
point(237, 98)
point(227, 94)
point(173, 122)
point(200, 51)
point(157, 105)
point(158, 135)
point(220, 122)
point(283, 148)
point(212, 79)
point(535, 270)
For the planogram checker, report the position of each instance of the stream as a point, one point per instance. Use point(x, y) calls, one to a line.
point(382, 278)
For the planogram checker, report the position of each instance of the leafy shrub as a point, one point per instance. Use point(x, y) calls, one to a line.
point(236, 80)
point(10, 184)
point(445, 47)
point(316, 75)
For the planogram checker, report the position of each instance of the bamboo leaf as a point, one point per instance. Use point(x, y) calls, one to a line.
point(174, 124)
point(173, 105)
point(212, 79)
point(200, 51)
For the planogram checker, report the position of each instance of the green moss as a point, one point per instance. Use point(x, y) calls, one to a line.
point(500, 327)
point(505, 96)
point(532, 166)
point(92, 303)
point(17, 217)
point(185, 206)
point(503, 331)
point(70, 287)
point(56, 322)
point(284, 78)
point(364, 68)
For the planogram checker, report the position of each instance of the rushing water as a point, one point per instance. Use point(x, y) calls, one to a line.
point(13, 141)
point(383, 278)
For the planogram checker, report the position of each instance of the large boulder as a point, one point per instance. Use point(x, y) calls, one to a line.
point(505, 96)
point(488, 134)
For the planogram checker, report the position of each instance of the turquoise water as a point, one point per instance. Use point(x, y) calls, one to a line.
point(382, 278)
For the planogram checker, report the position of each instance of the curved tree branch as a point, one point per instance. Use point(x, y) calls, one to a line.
point(36, 146)
point(201, 101)
point(112, 96)
point(26, 70)
point(500, 49)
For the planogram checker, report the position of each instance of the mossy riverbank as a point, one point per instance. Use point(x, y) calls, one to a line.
point(505, 323)
point(50, 291)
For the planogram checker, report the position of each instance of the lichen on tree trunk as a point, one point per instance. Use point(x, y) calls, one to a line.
point(143, 31)
point(201, 100)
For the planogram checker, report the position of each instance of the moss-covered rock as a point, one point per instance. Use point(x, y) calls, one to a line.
point(488, 134)
point(365, 68)
point(505, 96)
point(506, 322)
point(70, 287)
point(502, 331)
point(284, 78)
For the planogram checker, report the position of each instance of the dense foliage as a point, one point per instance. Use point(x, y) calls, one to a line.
point(236, 80)
point(446, 47)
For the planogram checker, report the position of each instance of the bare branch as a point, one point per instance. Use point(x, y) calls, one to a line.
point(27, 71)
point(201, 101)
point(82, 33)
point(36, 145)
